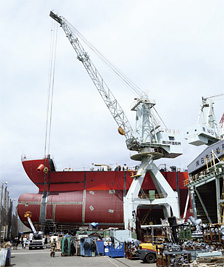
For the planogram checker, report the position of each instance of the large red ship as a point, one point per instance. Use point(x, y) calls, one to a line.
point(70, 199)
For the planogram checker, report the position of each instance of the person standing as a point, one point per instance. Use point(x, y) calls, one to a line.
point(53, 247)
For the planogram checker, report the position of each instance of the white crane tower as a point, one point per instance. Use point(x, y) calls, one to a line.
point(149, 140)
point(206, 131)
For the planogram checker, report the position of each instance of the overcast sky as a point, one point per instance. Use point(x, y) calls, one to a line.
point(173, 50)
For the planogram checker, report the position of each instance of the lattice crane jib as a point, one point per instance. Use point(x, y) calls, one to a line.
point(148, 134)
point(108, 97)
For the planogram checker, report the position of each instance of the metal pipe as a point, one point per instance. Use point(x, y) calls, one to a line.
point(217, 183)
point(193, 203)
point(187, 201)
point(178, 189)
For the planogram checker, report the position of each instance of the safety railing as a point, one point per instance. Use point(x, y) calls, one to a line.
point(213, 170)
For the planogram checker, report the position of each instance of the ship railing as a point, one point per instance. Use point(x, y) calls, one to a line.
point(192, 179)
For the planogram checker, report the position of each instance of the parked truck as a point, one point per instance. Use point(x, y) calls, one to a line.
point(36, 240)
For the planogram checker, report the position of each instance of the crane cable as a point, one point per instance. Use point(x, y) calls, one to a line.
point(213, 96)
point(123, 78)
point(51, 76)
point(160, 118)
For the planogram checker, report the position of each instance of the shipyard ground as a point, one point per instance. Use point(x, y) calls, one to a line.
point(41, 258)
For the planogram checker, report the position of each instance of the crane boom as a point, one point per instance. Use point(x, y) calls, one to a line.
point(31, 225)
point(148, 136)
point(109, 99)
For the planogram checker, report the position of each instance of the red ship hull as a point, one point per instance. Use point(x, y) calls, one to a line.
point(81, 197)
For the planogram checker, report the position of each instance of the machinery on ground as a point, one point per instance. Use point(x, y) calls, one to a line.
point(147, 252)
point(36, 239)
point(149, 139)
point(67, 246)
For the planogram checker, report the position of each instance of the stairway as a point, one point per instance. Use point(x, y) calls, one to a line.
point(49, 226)
point(208, 195)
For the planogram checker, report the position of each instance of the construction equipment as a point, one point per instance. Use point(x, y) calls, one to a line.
point(206, 131)
point(149, 139)
point(147, 252)
point(36, 239)
point(67, 246)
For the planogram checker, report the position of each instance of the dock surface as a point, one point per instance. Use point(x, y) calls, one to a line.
point(41, 258)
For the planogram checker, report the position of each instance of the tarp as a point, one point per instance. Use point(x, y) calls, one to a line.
point(3, 255)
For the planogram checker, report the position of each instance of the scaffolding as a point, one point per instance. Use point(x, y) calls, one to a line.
point(206, 184)
point(8, 219)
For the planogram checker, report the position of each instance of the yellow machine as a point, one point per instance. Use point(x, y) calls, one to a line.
point(147, 252)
